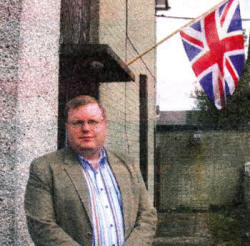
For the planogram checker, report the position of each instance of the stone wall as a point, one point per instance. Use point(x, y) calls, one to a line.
point(129, 28)
point(194, 175)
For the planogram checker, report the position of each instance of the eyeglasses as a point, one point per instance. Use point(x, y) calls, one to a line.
point(80, 123)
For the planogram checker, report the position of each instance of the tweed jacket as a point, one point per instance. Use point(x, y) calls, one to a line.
point(57, 204)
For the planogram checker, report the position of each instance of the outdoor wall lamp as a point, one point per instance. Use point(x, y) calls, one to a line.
point(89, 63)
point(161, 5)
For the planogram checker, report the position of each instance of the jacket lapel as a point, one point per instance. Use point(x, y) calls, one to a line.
point(118, 170)
point(74, 171)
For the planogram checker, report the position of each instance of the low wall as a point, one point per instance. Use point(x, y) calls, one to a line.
point(201, 170)
point(247, 185)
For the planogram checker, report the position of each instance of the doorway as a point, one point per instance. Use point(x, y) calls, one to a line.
point(71, 84)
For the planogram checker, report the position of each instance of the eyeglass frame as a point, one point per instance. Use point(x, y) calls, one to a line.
point(80, 123)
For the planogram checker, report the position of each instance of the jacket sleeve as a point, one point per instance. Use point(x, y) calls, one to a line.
point(145, 226)
point(39, 209)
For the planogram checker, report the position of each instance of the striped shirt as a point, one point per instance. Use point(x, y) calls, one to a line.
point(105, 203)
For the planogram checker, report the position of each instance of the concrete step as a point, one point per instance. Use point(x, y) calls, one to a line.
point(182, 229)
point(183, 225)
point(182, 241)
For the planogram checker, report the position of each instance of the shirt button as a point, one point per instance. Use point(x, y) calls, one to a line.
point(111, 225)
point(101, 189)
point(106, 206)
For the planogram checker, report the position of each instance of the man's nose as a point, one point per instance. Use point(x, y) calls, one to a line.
point(85, 126)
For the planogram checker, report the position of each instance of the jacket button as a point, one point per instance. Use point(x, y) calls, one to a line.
point(89, 234)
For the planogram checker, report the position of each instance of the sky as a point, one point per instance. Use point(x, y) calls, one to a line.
point(176, 80)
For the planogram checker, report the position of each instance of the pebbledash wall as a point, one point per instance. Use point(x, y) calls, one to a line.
point(202, 173)
point(29, 38)
point(29, 69)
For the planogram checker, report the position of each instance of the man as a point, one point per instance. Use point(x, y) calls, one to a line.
point(84, 194)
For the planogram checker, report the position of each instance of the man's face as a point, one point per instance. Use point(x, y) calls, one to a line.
point(86, 129)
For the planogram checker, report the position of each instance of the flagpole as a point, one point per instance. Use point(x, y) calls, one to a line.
point(176, 31)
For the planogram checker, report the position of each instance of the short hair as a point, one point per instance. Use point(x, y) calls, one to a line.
point(79, 101)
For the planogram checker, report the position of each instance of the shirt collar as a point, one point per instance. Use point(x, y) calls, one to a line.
point(86, 164)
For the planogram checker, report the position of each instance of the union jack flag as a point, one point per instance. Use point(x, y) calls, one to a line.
point(215, 48)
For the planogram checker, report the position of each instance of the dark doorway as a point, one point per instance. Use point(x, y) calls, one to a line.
point(70, 86)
